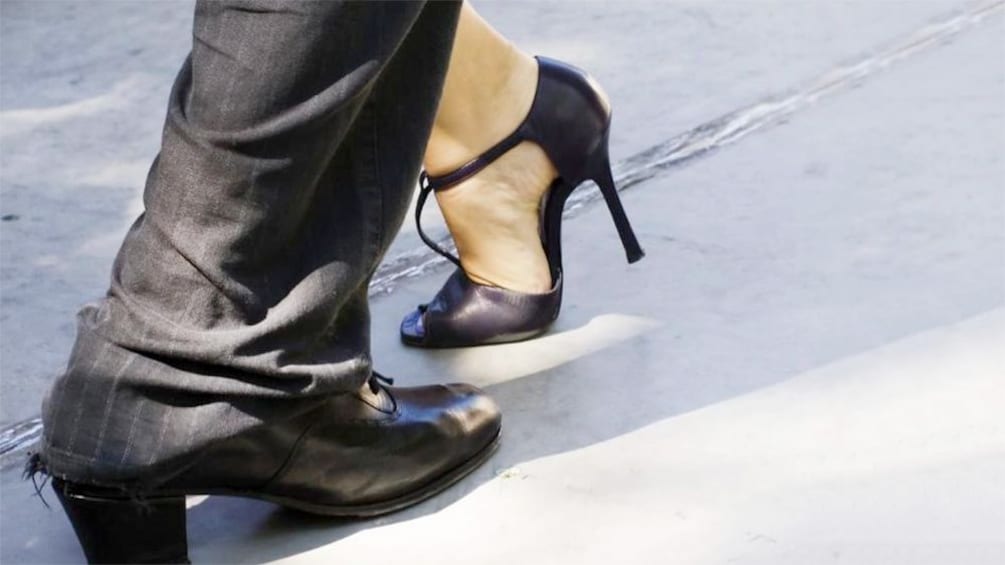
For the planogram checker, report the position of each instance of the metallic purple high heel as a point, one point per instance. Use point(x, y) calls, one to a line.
point(570, 120)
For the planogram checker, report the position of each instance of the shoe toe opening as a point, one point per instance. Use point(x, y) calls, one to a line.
point(412, 327)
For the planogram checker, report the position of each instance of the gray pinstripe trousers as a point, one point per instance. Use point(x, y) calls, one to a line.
point(293, 138)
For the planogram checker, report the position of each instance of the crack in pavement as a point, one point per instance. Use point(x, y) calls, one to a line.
point(652, 162)
point(717, 133)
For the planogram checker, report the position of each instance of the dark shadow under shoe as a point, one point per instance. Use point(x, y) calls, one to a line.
point(357, 455)
point(570, 120)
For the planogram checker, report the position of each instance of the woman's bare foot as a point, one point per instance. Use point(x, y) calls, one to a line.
point(494, 215)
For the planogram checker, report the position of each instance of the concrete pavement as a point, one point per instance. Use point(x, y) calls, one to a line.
point(807, 368)
point(85, 83)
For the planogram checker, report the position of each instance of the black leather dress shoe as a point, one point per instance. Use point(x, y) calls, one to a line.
point(364, 454)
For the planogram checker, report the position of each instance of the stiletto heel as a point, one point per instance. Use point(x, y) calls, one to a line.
point(604, 179)
point(122, 530)
point(570, 120)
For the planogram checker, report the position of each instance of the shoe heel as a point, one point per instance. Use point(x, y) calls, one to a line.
point(112, 530)
point(605, 181)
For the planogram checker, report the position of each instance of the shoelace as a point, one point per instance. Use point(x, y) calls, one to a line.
point(377, 381)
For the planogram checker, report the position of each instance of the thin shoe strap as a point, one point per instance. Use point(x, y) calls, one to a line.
point(475, 165)
point(424, 189)
point(428, 184)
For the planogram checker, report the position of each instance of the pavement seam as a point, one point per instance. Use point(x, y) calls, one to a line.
point(717, 133)
point(654, 161)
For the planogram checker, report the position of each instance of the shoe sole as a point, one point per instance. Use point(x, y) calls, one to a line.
point(421, 343)
point(416, 496)
point(395, 504)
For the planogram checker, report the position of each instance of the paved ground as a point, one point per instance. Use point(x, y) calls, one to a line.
point(807, 368)
point(85, 85)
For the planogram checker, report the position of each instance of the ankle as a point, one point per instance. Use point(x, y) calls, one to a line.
point(494, 220)
point(495, 109)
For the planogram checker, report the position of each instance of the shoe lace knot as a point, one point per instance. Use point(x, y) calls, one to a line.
point(378, 381)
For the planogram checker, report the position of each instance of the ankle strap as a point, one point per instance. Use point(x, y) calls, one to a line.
point(424, 189)
point(472, 167)
point(428, 184)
